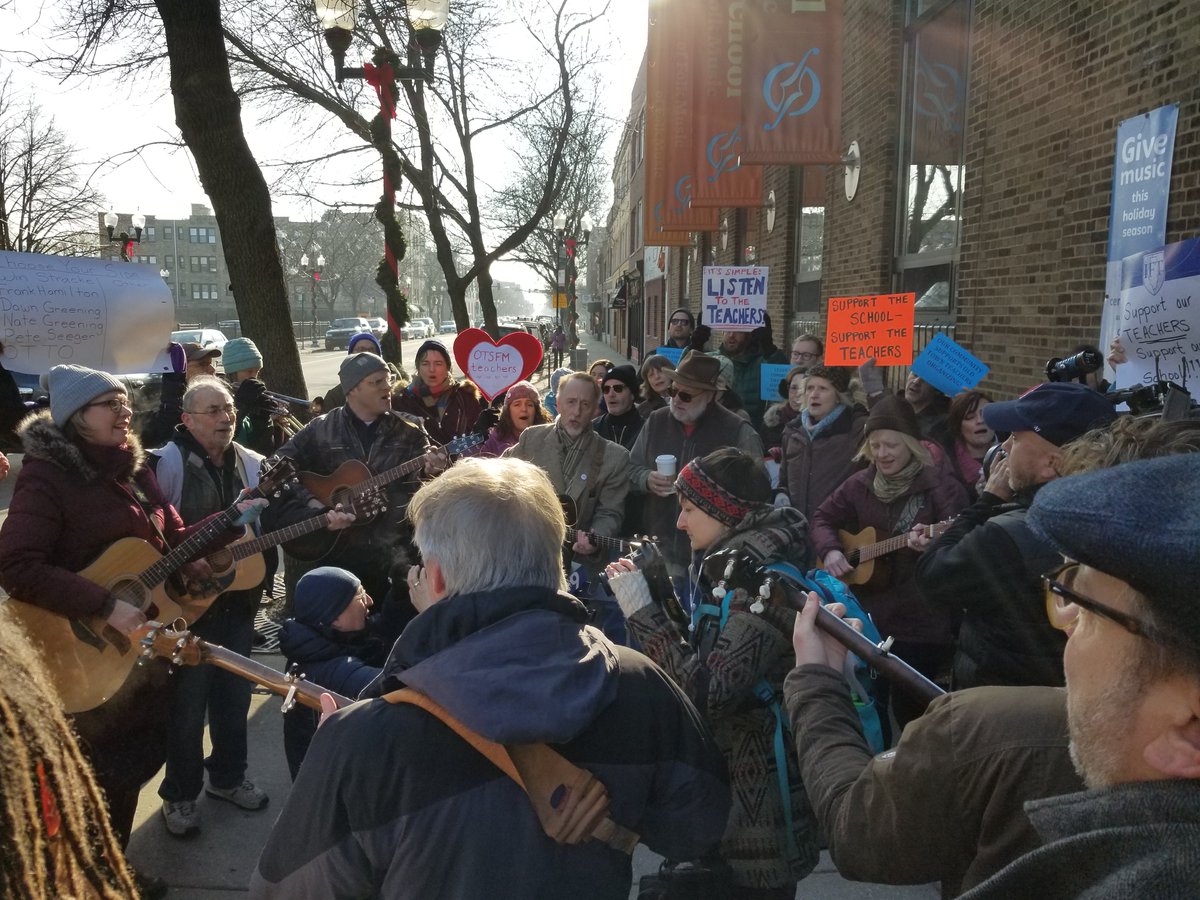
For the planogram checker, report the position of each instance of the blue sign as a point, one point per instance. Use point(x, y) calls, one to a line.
point(948, 367)
point(1142, 182)
point(769, 378)
point(674, 354)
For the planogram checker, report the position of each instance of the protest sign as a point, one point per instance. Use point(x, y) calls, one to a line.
point(1159, 324)
point(104, 314)
point(948, 367)
point(674, 354)
point(495, 367)
point(875, 326)
point(768, 380)
point(735, 297)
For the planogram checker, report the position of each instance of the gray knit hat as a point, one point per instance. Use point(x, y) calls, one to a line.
point(240, 354)
point(356, 367)
point(73, 387)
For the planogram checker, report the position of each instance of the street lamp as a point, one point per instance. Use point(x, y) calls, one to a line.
point(314, 275)
point(426, 20)
point(138, 221)
point(567, 267)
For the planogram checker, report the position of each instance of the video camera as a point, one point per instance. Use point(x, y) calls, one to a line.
point(1074, 368)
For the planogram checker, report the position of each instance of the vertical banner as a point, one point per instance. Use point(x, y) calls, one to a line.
point(722, 179)
point(792, 82)
point(670, 160)
point(1141, 187)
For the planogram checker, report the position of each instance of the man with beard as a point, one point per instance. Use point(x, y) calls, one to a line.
point(692, 425)
point(745, 350)
point(622, 423)
point(987, 566)
point(1126, 597)
point(679, 328)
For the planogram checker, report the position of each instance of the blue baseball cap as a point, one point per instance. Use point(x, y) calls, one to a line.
point(1056, 411)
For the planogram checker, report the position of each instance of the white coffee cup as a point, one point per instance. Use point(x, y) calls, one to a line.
point(665, 465)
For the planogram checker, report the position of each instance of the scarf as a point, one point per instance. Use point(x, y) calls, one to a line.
point(813, 429)
point(888, 489)
point(968, 466)
point(435, 400)
point(572, 450)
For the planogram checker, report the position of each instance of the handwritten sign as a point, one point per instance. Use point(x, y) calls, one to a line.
point(948, 367)
point(769, 377)
point(107, 315)
point(735, 298)
point(876, 326)
point(1159, 320)
point(495, 367)
point(674, 354)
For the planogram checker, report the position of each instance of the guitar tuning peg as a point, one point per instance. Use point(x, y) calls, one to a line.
point(764, 590)
point(729, 569)
point(719, 591)
point(757, 607)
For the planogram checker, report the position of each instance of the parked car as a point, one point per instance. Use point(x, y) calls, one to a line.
point(378, 326)
point(414, 331)
point(430, 328)
point(447, 328)
point(341, 330)
point(205, 337)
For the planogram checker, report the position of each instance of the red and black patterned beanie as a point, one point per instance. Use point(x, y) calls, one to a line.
point(727, 484)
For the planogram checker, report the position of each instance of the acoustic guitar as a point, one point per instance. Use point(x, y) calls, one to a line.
point(353, 486)
point(608, 544)
point(88, 660)
point(861, 549)
point(183, 648)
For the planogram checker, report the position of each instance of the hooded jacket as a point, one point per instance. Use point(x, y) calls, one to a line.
point(463, 407)
point(813, 468)
point(438, 820)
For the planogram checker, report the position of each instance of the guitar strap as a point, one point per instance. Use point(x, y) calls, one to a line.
point(909, 513)
point(570, 802)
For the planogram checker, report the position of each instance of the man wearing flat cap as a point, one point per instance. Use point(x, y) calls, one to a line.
point(1125, 594)
point(365, 430)
point(692, 425)
point(987, 566)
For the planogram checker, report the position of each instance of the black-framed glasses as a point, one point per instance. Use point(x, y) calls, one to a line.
point(115, 405)
point(680, 322)
point(617, 388)
point(796, 355)
point(682, 395)
point(1063, 603)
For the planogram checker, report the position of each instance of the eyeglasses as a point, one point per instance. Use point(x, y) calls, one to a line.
point(228, 409)
point(796, 355)
point(680, 322)
point(1063, 605)
point(381, 380)
point(115, 405)
point(681, 395)
point(614, 388)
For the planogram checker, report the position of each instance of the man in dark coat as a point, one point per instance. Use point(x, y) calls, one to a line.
point(502, 648)
point(621, 422)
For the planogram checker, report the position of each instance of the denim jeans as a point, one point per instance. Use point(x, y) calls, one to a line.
point(206, 690)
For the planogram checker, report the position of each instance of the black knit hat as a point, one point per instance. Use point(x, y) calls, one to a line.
point(894, 413)
point(838, 376)
point(436, 346)
point(627, 375)
point(322, 594)
point(727, 484)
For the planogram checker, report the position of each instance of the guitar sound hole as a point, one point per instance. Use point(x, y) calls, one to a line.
point(134, 593)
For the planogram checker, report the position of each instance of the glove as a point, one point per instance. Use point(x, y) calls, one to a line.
point(488, 417)
point(251, 512)
point(700, 337)
point(249, 394)
point(178, 357)
point(631, 591)
point(871, 378)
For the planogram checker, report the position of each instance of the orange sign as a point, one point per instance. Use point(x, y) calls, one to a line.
point(877, 326)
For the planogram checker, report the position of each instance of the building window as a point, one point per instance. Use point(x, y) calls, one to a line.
point(148, 260)
point(168, 231)
point(928, 232)
point(204, 292)
point(148, 233)
point(203, 264)
point(808, 187)
point(199, 235)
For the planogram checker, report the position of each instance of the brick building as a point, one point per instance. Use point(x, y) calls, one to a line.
point(986, 131)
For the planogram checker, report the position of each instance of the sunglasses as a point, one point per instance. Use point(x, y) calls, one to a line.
point(614, 389)
point(680, 322)
point(685, 396)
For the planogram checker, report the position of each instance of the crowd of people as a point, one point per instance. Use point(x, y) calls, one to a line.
point(593, 572)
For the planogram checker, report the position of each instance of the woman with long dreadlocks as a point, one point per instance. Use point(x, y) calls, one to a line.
point(55, 840)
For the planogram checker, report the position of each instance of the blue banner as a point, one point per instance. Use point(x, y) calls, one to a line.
point(948, 367)
point(674, 354)
point(769, 378)
point(1142, 182)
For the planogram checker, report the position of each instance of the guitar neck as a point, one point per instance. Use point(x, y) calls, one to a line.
point(892, 544)
point(604, 543)
point(247, 549)
point(305, 691)
point(160, 571)
point(389, 475)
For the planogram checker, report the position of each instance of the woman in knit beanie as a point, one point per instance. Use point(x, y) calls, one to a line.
point(900, 491)
point(734, 648)
point(449, 407)
point(522, 408)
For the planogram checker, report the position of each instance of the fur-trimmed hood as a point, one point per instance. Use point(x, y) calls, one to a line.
point(44, 440)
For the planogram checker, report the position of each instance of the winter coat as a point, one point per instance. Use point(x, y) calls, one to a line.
point(462, 409)
point(663, 434)
point(496, 443)
point(598, 491)
point(72, 501)
point(946, 803)
point(1134, 841)
point(811, 470)
point(747, 381)
point(776, 418)
point(987, 568)
point(721, 681)
point(621, 430)
point(439, 820)
point(649, 405)
point(896, 604)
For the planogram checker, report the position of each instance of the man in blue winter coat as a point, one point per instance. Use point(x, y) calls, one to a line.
point(392, 803)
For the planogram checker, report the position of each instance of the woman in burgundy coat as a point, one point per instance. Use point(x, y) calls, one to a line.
point(900, 490)
point(449, 408)
point(83, 486)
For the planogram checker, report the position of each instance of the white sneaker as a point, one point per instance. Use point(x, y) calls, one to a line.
point(181, 816)
point(245, 795)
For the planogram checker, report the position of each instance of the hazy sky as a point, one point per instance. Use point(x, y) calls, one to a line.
point(105, 117)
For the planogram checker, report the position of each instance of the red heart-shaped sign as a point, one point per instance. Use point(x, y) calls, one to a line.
point(495, 367)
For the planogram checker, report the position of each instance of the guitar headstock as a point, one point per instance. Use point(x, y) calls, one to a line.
point(463, 443)
point(274, 474)
point(181, 647)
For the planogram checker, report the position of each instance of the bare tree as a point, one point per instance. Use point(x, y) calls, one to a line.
point(46, 202)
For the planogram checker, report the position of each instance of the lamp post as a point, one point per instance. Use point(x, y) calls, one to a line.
point(314, 276)
point(426, 20)
point(568, 267)
point(125, 239)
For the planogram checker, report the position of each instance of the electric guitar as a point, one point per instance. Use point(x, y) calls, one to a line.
point(183, 648)
point(861, 550)
point(88, 660)
point(608, 544)
point(353, 486)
